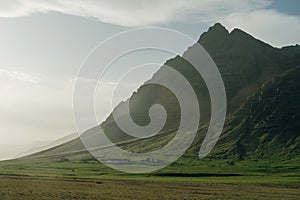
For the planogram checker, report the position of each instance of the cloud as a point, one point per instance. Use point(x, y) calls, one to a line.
point(275, 28)
point(133, 12)
point(21, 76)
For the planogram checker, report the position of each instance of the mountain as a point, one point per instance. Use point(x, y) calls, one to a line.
point(262, 95)
point(245, 64)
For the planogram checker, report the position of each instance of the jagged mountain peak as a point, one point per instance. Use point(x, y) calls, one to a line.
point(218, 27)
point(218, 36)
point(217, 31)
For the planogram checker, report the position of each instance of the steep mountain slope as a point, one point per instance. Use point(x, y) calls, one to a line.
point(245, 64)
point(255, 124)
point(267, 124)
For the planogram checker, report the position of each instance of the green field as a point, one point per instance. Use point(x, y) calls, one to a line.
point(83, 178)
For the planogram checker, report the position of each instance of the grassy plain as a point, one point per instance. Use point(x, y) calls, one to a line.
point(76, 178)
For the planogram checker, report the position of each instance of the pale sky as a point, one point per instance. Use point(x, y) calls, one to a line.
point(43, 43)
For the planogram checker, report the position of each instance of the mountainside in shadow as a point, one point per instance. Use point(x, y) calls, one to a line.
point(262, 93)
point(267, 124)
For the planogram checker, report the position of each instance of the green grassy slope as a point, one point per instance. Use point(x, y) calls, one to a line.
point(268, 120)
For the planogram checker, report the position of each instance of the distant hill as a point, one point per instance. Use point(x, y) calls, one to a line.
point(9, 151)
point(262, 85)
point(48, 145)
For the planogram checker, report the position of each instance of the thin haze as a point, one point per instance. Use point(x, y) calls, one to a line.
point(43, 43)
